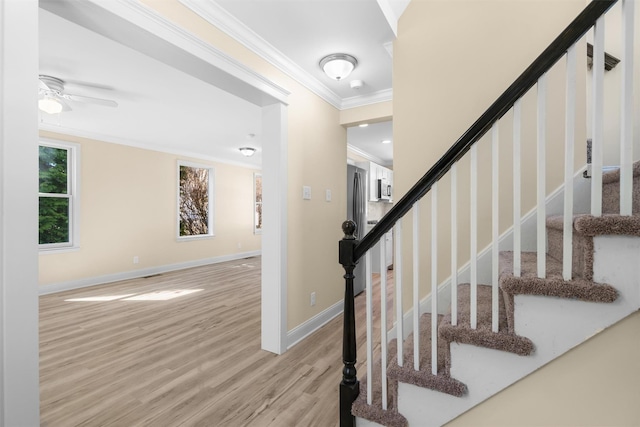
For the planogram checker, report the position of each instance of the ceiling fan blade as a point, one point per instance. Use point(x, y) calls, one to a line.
point(42, 85)
point(65, 106)
point(90, 100)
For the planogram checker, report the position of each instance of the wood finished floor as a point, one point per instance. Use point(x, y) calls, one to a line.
point(194, 360)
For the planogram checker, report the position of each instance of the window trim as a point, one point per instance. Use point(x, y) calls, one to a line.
point(73, 194)
point(211, 194)
point(256, 230)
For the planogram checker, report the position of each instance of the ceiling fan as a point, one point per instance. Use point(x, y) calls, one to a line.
point(53, 99)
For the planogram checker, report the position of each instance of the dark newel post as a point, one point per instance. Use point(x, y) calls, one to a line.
point(349, 387)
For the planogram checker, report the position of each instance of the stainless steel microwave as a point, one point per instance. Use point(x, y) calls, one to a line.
point(384, 189)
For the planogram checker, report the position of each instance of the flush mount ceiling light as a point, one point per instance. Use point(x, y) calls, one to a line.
point(363, 125)
point(386, 141)
point(49, 105)
point(247, 151)
point(338, 65)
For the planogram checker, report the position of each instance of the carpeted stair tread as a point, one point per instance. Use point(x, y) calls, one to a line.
point(423, 377)
point(611, 191)
point(607, 224)
point(483, 336)
point(553, 284)
point(374, 412)
point(612, 176)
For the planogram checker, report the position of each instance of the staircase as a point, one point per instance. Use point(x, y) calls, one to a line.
point(537, 305)
point(540, 319)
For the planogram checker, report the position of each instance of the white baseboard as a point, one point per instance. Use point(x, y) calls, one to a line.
point(109, 278)
point(305, 329)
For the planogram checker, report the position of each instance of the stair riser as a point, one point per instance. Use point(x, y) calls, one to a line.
point(611, 197)
point(361, 422)
point(485, 371)
point(582, 263)
point(616, 260)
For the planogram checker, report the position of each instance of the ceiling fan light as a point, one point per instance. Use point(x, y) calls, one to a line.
point(247, 151)
point(49, 105)
point(338, 65)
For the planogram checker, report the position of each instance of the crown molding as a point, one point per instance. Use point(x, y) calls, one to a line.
point(365, 155)
point(217, 16)
point(372, 98)
point(66, 131)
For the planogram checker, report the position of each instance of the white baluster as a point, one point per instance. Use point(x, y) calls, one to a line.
point(474, 236)
point(369, 302)
point(397, 280)
point(570, 123)
point(626, 116)
point(517, 229)
point(541, 171)
point(434, 279)
point(383, 319)
point(416, 287)
point(597, 118)
point(454, 244)
point(495, 169)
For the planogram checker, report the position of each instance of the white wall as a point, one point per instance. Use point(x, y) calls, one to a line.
point(19, 388)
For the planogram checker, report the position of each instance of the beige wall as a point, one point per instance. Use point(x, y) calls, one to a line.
point(595, 384)
point(129, 208)
point(316, 156)
point(451, 61)
point(372, 113)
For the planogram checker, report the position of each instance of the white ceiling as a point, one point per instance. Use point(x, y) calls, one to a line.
point(367, 141)
point(159, 106)
point(305, 31)
point(166, 109)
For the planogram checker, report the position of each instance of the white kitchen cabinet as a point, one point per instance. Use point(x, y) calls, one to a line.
point(375, 253)
point(374, 173)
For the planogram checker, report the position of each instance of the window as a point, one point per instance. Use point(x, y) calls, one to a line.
point(58, 204)
point(195, 200)
point(257, 202)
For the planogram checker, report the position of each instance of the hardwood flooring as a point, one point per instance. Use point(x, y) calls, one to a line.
point(136, 359)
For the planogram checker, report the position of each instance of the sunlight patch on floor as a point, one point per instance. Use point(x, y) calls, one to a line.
point(99, 298)
point(151, 296)
point(163, 295)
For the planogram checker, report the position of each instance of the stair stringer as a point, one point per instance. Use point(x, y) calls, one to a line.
point(555, 325)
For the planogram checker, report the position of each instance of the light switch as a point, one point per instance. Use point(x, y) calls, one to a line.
point(306, 192)
point(328, 195)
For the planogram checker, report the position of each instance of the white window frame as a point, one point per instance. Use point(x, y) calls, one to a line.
point(257, 230)
point(73, 194)
point(211, 194)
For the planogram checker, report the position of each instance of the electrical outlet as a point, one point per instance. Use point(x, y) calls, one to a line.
point(328, 195)
point(136, 259)
point(313, 299)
